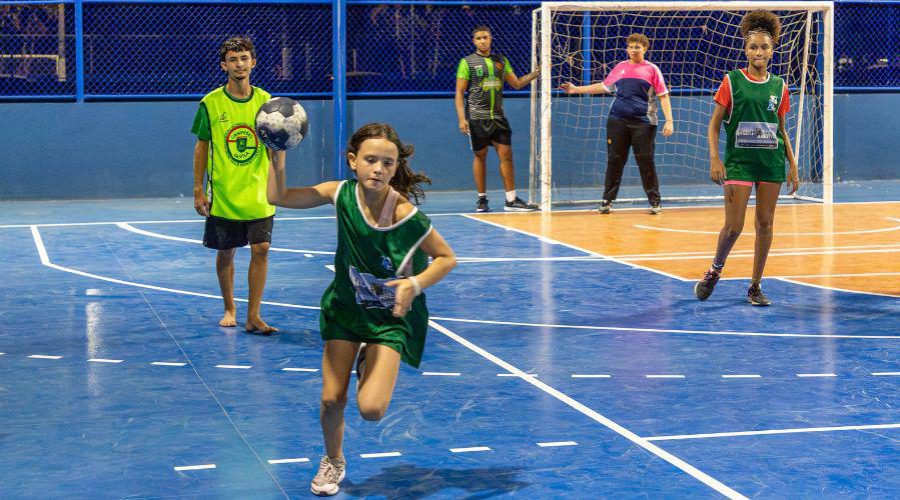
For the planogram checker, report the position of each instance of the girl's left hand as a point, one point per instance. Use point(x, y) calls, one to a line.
point(793, 179)
point(404, 293)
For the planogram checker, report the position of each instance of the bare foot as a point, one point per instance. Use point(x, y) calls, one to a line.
point(228, 319)
point(258, 325)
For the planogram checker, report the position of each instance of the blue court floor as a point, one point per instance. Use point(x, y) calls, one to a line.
point(547, 372)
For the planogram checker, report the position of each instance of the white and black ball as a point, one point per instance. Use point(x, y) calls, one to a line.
point(281, 123)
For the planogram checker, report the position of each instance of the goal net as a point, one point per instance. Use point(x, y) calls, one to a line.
point(694, 44)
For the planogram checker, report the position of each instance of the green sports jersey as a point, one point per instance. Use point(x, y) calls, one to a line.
point(356, 306)
point(755, 147)
point(485, 75)
point(238, 167)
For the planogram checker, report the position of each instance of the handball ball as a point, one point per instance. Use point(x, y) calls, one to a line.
point(281, 123)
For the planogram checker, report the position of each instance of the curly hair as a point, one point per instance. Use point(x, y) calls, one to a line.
point(638, 38)
point(237, 44)
point(405, 181)
point(761, 21)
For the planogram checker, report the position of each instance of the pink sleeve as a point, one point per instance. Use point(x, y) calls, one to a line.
point(611, 78)
point(659, 83)
point(785, 102)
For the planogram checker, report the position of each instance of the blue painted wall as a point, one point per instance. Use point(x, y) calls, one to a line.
point(144, 149)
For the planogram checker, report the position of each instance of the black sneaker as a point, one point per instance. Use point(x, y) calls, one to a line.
point(482, 204)
point(756, 296)
point(605, 207)
point(360, 364)
point(704, 288)
point(519, 205)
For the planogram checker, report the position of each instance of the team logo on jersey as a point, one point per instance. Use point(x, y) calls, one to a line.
point(241, 144)
point(492, 83)
point(223, 117)
point(498, 65)
point(386, 263)
point(773, 103)
point(479, 70)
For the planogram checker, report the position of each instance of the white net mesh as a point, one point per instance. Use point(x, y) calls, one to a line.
point(693, 49)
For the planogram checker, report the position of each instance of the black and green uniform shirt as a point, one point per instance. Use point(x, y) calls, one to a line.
point(238, 167)
point(485, 75)
point(356, 306)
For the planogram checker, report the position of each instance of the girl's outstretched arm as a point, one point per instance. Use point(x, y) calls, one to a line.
point(295, 197)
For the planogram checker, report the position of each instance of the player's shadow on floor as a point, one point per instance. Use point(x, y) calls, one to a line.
point(410, 482)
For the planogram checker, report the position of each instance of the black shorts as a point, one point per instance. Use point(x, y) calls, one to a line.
point(225, 234)
point(484, 132)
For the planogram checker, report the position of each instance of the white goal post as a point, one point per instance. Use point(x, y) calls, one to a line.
point(694, 44)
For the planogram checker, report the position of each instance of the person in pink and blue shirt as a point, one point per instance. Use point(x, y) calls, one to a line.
point(640, 89)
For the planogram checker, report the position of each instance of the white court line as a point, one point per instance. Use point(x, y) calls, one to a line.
point(167, 363)
point(774, 431)
point(102, 360)
point(590, 375)
point(751, 233)
point(311, 370)
point(773, 253)
point(128, 227)
point(750, 251)
point(45, 260)
point(442, 374)
point(742, 376)
point(176, 221)
point(309, 253)
point(557, 443)
point(843, 275)
point(479, 260)
point(814, 375)
point(196, 467)
point(469, 450)
point(517, 375)
point(288, 461)
point(664, 376)
point(588, 252)
point(44, 356)
point(381, 455)
point(631, 436)
point(657, 271)
point(663, 330)
point(448, 214)
point(886, 374)
point(823, 287)
point(235, 367)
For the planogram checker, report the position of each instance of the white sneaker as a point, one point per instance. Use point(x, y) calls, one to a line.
point(327, 480)
point(655, 209)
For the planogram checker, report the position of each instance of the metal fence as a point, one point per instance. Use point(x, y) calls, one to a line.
point(101, 49)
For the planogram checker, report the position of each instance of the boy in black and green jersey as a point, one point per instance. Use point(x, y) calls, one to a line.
point(237, 167)
point(482, 74)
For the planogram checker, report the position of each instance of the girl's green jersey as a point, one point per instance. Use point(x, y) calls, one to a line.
point(755, 147)
point(357, 306)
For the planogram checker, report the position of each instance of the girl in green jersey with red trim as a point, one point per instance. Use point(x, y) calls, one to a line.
point(373, 312)
point(752, 103)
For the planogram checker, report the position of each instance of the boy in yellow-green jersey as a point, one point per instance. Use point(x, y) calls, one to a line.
point(236, 164)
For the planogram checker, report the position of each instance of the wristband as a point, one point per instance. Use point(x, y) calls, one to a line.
point(415, 283)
